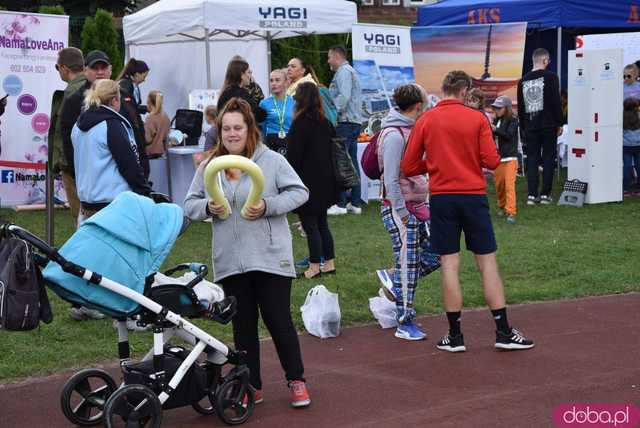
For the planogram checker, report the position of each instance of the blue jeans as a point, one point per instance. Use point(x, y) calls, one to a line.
point(630, 160)
point(350, 132)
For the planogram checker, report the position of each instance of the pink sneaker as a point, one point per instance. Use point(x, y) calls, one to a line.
point(299, 394)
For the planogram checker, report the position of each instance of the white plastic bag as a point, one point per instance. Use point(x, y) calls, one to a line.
point(321, 312)
point(383, 310)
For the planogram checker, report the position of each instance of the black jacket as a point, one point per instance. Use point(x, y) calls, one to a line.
point(132, 110)
point(539, 102)
point(236, 91)
point(69, 113)
point(309, 153)
point(507, 137)
point(124, 154)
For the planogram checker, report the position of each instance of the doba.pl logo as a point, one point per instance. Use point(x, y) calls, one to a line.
point(597, 415)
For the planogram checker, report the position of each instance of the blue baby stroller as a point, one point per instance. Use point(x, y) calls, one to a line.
point(109, 264)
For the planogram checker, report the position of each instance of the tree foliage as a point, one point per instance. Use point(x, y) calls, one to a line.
point(311, 49)
point(52, 10)
point(99, 33)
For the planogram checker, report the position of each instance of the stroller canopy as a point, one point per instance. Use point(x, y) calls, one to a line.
point(126, 242)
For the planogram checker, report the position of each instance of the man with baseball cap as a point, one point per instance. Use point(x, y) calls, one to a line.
point(98, 66)
point(505, 130)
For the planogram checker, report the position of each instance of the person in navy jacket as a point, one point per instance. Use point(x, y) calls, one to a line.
point(106, 157)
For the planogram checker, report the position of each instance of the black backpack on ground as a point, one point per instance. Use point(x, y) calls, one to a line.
point(23, 298)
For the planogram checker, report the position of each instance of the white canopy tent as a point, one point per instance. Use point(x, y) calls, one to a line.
point(188, 43)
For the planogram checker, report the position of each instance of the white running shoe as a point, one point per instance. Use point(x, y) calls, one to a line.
point(353, 210)
point(82, 313)
point(336, 210)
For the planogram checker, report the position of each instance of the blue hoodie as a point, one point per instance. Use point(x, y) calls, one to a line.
point(105, 158)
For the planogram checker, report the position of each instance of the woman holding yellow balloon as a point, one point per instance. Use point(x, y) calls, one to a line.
point(252, 245)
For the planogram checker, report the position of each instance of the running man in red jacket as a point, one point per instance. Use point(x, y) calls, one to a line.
point(457, 143)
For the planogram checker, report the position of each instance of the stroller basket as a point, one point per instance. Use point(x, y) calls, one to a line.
point(195, 385)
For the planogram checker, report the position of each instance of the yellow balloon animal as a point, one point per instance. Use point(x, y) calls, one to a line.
point(212, 184)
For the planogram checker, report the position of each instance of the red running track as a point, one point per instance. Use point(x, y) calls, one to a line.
point(587, 351)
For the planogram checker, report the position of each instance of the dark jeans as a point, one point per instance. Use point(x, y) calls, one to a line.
point(545, 141)
point(350, 132)
point(271, 295)
point(630, 160)
point(319, 237)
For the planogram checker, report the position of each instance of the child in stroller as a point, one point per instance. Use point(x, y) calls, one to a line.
point(128, 241)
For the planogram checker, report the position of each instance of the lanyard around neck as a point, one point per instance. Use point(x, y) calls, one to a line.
point(279, 113)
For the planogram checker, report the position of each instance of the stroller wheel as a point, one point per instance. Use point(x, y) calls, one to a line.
point(230, 402)
point(84, 396)
point(206, 406)
point(133, 405)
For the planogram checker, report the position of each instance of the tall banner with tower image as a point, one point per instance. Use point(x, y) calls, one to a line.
point(491, 54)
point(29, 46)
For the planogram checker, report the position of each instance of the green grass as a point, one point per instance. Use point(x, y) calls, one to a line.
point(552, 253)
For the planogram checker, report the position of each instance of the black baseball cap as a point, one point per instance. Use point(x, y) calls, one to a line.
point(96, 56)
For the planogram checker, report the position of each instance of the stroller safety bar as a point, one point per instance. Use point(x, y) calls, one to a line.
point(199, 269)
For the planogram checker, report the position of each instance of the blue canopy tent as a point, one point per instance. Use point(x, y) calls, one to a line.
point(568, 17)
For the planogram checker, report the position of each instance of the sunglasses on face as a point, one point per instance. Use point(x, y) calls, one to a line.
point(58, 67)
point(628, 76)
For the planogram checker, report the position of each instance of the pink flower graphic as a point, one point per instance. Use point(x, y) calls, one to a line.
point(17, 28)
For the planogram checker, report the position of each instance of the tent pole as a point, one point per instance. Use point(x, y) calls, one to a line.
point(559, 54)
point(269, 37)
point(207, 56)
point(49, 196)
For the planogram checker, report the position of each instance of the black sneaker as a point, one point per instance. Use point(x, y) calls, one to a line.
point(452, 343)
point(512, 340)
point(546, 200)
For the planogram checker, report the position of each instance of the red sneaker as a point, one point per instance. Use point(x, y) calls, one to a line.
point(299, 394)
point(257, 397)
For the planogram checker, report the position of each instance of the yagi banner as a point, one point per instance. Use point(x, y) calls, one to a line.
point(383, 59)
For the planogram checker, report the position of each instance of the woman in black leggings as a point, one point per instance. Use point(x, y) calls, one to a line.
point(309, 152)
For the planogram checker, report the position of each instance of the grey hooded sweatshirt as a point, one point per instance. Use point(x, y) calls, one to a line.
point(241, 245)
point(399, 189)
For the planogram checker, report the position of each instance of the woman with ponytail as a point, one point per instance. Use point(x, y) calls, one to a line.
point(236, 83)
point(156, 126)
point(253, 254)
point(133, 74)
point(105, 153)
point(300, 72)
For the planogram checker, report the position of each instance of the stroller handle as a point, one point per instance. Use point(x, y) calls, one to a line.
point(51, 253)
point(43, 247)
